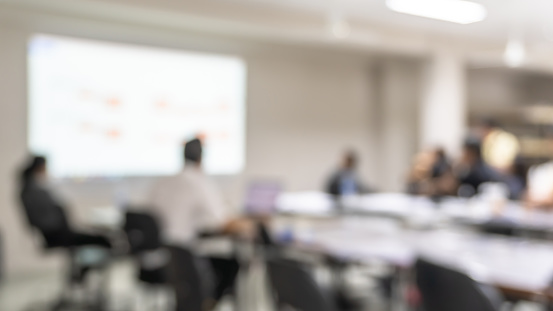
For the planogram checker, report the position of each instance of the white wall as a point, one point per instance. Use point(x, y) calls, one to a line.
point(443, 116)
point(304, 107)
point(493, 89)
point(398, 108)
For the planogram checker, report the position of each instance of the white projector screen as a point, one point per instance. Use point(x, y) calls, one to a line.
point(99, 109)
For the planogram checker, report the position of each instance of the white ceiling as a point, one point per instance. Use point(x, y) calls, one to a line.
point(533, 17)
point(373, 26)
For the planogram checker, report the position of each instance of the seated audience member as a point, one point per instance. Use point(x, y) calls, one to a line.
point(441, 164)
point(431, 174)
point(47, 214)
point(345, 181)
point(189, 205)
point(515, 179)
point(472, 171)
point(540, 186)
point(540, 181)
point(499, 147)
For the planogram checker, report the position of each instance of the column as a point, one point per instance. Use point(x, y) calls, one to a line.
point(443, 112)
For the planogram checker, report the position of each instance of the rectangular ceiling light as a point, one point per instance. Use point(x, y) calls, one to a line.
point(455, 11)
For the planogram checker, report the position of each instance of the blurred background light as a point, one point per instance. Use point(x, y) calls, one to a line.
point(515, 53)
point(455, 11)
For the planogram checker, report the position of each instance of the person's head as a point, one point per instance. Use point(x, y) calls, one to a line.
point(350, 160)
point(487, 125)
point(472, 152)
point(440, 154)
point(33, 169)
point(193, 152)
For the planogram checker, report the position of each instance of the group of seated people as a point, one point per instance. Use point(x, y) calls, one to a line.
point(489, 156)
point(187, 206)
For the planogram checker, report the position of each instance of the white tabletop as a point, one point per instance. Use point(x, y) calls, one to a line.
point(312, 203)
point(512, 263)
point(418, 210)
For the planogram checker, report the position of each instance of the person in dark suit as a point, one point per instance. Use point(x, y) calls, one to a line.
point(345, 181)
point(46, 214)
point(472, 171)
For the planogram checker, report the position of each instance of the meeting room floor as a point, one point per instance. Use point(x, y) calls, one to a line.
point(34, 293)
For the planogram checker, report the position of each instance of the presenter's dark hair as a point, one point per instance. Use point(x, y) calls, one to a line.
point(193, 151)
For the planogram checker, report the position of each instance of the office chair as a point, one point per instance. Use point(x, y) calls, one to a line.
point(294, 287)
point(82, 259)
point(191, 279)
point(144, 238)
point(444, 289)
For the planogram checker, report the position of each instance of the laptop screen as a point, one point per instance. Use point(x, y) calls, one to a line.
point(261, 197)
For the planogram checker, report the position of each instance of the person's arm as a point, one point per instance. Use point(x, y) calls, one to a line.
point(214, 215)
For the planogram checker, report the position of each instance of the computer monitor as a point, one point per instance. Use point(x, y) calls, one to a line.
point(261, 197)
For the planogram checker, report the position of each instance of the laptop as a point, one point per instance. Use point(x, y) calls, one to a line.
point(261, 197)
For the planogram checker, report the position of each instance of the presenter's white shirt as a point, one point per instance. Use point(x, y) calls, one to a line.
point(188, 204)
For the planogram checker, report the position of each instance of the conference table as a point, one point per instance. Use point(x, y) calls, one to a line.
point(419, 211)
point(397, 229)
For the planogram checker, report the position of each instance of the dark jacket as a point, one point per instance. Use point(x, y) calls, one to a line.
point(43, 212)
point(334, 185)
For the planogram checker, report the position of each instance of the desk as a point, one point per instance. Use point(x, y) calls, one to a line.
point(310, 203)
point(420, 212)
point(512, 264)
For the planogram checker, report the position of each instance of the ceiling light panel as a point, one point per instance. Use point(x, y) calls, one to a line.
point(455, 11)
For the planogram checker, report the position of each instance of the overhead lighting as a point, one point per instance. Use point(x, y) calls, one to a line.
point(455, 11)
point(515, 53)
point(339, 27)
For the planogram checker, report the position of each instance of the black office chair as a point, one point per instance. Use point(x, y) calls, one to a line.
point(82, 257)
point(145, 244)
point(294, 287)
point(444, 289)
point(191, 279)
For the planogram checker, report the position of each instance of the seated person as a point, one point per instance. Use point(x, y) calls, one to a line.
point(540, 182)
point(431, 174)
point(345, 181)
point(540, 186)
point(46, 214)
point(499, 147)
point(189, 205)
point(515, 179)
point(440, 165)
point(472, 171)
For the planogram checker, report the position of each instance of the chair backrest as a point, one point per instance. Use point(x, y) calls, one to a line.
point(445, 289)
point(293, 286)
point(190, 278)
point(143, 232)
point(45, 215)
